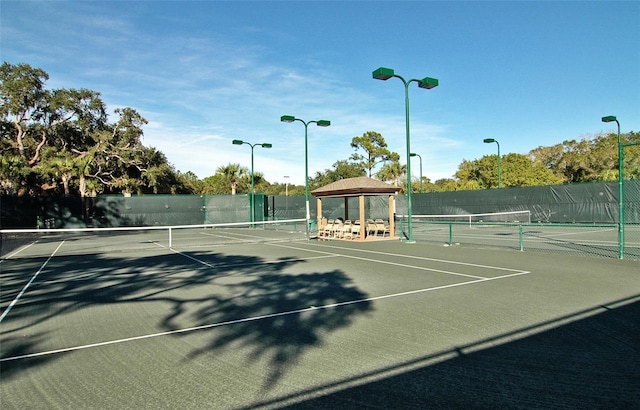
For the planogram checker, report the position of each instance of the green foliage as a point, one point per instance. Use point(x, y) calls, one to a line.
point(376, 151)
point(590, 159)
point(341, 170)
point(59, 142)
point(392, 171)
point(516, 170)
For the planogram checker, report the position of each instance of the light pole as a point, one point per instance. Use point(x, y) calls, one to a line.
point(383, 73)
point(286, 185)
point(612, 118)
point(252, 196)
point(489, 141)
point(413, 154)
point(319, 123)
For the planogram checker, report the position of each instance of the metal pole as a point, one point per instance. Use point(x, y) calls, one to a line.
point(413, 154)
point(499, 167)
point(489, 141)
point(384, 73)
point(620, 196)
point(320, 123)
point(420, 173)
point(408, 134)
point(306, 175)
point(253, 193)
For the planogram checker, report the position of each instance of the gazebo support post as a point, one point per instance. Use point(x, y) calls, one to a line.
point(319, 212)
point(392, 208)
point(346, 208)
point(362, 218)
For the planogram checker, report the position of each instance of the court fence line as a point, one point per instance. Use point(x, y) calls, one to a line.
point(586, 239)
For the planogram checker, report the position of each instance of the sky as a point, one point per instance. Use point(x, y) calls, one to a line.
point(203, 73)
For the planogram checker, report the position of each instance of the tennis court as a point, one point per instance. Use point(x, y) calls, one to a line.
point(249, 320)
point(579, 239)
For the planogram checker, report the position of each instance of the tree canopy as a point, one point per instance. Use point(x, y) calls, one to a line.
point(62, 142)
point(375, 148)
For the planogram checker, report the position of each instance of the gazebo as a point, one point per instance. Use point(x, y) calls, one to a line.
point(359, 187)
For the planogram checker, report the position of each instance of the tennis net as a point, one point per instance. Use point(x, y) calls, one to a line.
point(45, 242)
point(493, 217)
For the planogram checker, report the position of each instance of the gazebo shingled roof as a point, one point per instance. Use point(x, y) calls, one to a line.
point(355, 187)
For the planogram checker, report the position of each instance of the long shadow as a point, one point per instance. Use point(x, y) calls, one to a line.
point(591, 362)
point(282, 340)
point(237, 287)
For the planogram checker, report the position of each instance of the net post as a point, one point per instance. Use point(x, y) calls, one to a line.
point(170, 243)
point(450, 234)
point(521, 237)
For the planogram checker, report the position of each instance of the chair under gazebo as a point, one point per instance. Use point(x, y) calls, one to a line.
point(359, 187)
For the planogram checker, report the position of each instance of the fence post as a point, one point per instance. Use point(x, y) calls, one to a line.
point(521, 236)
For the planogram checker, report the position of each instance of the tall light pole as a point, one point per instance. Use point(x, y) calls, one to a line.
point(612, 118)
point(383, 73)
point(319, 123)
point(413, 154)
point(286, 185)
point(253, 193)
point(489, 141)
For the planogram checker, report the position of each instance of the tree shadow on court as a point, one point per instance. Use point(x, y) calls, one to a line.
point(590, 362)
point(267, 304)
point(278, 317)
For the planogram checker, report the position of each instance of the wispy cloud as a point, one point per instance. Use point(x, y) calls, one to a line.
point(204, 73)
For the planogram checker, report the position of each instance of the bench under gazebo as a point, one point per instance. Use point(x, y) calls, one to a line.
point(359, 187)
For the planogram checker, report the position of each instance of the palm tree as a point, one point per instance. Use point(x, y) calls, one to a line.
point(232, 174)
point(392, 171)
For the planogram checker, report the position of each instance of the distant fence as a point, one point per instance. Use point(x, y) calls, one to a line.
point(595, 203)
point(575, 203)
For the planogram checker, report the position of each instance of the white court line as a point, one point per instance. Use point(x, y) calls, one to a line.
point(577, 232)
point(18, 251)
point(230, 265)
point(407, 257)
point(334, 254)
point(241, 238)
point(550, 237)
point(248, 319)
point(8, 309)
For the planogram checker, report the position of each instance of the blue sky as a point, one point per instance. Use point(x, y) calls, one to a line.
point(203, 73)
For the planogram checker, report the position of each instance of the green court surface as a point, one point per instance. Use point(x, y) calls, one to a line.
point(309, 325)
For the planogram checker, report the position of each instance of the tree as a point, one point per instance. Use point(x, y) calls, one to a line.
point(375, 148)
point(226, 179)
point(632, 155)
point(60, 142)
point(590, 159)
point(517, 170)
point(342, 169)
point(442, 185)
point(23, 98)
point(392, 171)
point(191, 182)
point(468, 175)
